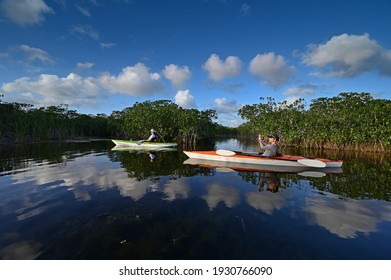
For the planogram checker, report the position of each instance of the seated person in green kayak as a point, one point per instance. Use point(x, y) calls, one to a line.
point(271, 148)
point(153, 137)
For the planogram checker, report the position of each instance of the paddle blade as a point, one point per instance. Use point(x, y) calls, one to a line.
point(312, 163)
point(314, 174)
point(224, 169)
point(225, 153)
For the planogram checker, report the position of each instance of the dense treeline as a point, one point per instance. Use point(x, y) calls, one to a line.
point(23, 123)
point(172, 122)
point(348, 121)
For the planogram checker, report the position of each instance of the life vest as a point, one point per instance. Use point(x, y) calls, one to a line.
point(154, 137)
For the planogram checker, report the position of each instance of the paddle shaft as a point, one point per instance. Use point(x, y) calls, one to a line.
point(160, 136)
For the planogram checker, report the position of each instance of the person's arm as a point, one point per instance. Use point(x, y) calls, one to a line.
point(262, 143)
point(270, 149)
point(150, 138)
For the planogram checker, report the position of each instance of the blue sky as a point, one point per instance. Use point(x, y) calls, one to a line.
point(99, 56)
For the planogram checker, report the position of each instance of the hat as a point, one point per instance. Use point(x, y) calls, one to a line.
point(152, 130)
point(273, 136)
point(272, 188)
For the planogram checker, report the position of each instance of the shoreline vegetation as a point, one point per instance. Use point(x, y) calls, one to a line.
point(349, 121)
point(22, 123)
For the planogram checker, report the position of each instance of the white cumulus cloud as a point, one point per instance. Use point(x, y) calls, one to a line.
point(270, 69)
point(219, 70)
point(25, 12)
point(346, 56)
point(184, 99)
point(76, 90)
point(133, 80)
point(53, 90)
point(177, 75)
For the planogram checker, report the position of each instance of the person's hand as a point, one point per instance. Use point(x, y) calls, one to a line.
point(260, 136)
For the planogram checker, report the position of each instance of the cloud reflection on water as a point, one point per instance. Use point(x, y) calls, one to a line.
point(176, 189)
point(42, 185)
point(267, 202)
point(220, 193)
point(347, 218)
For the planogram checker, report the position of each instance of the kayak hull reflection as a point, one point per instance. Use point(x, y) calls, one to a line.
point(235, 166)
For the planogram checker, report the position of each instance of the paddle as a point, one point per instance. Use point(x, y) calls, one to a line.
point(314, 174)
point(305, 162)
point(225, 152)
point(160, 136)
point(312, 163)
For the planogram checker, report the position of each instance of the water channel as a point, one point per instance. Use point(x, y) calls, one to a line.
point(86, 201)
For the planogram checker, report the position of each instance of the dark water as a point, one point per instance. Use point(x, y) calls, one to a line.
point(85, 201)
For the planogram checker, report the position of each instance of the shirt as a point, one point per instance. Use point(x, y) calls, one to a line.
point(270, 149)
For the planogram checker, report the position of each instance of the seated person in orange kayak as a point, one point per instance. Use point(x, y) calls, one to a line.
point(271, 148)
point(271, 181)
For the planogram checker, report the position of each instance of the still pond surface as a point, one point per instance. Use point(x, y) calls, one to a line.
point(87, 201)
